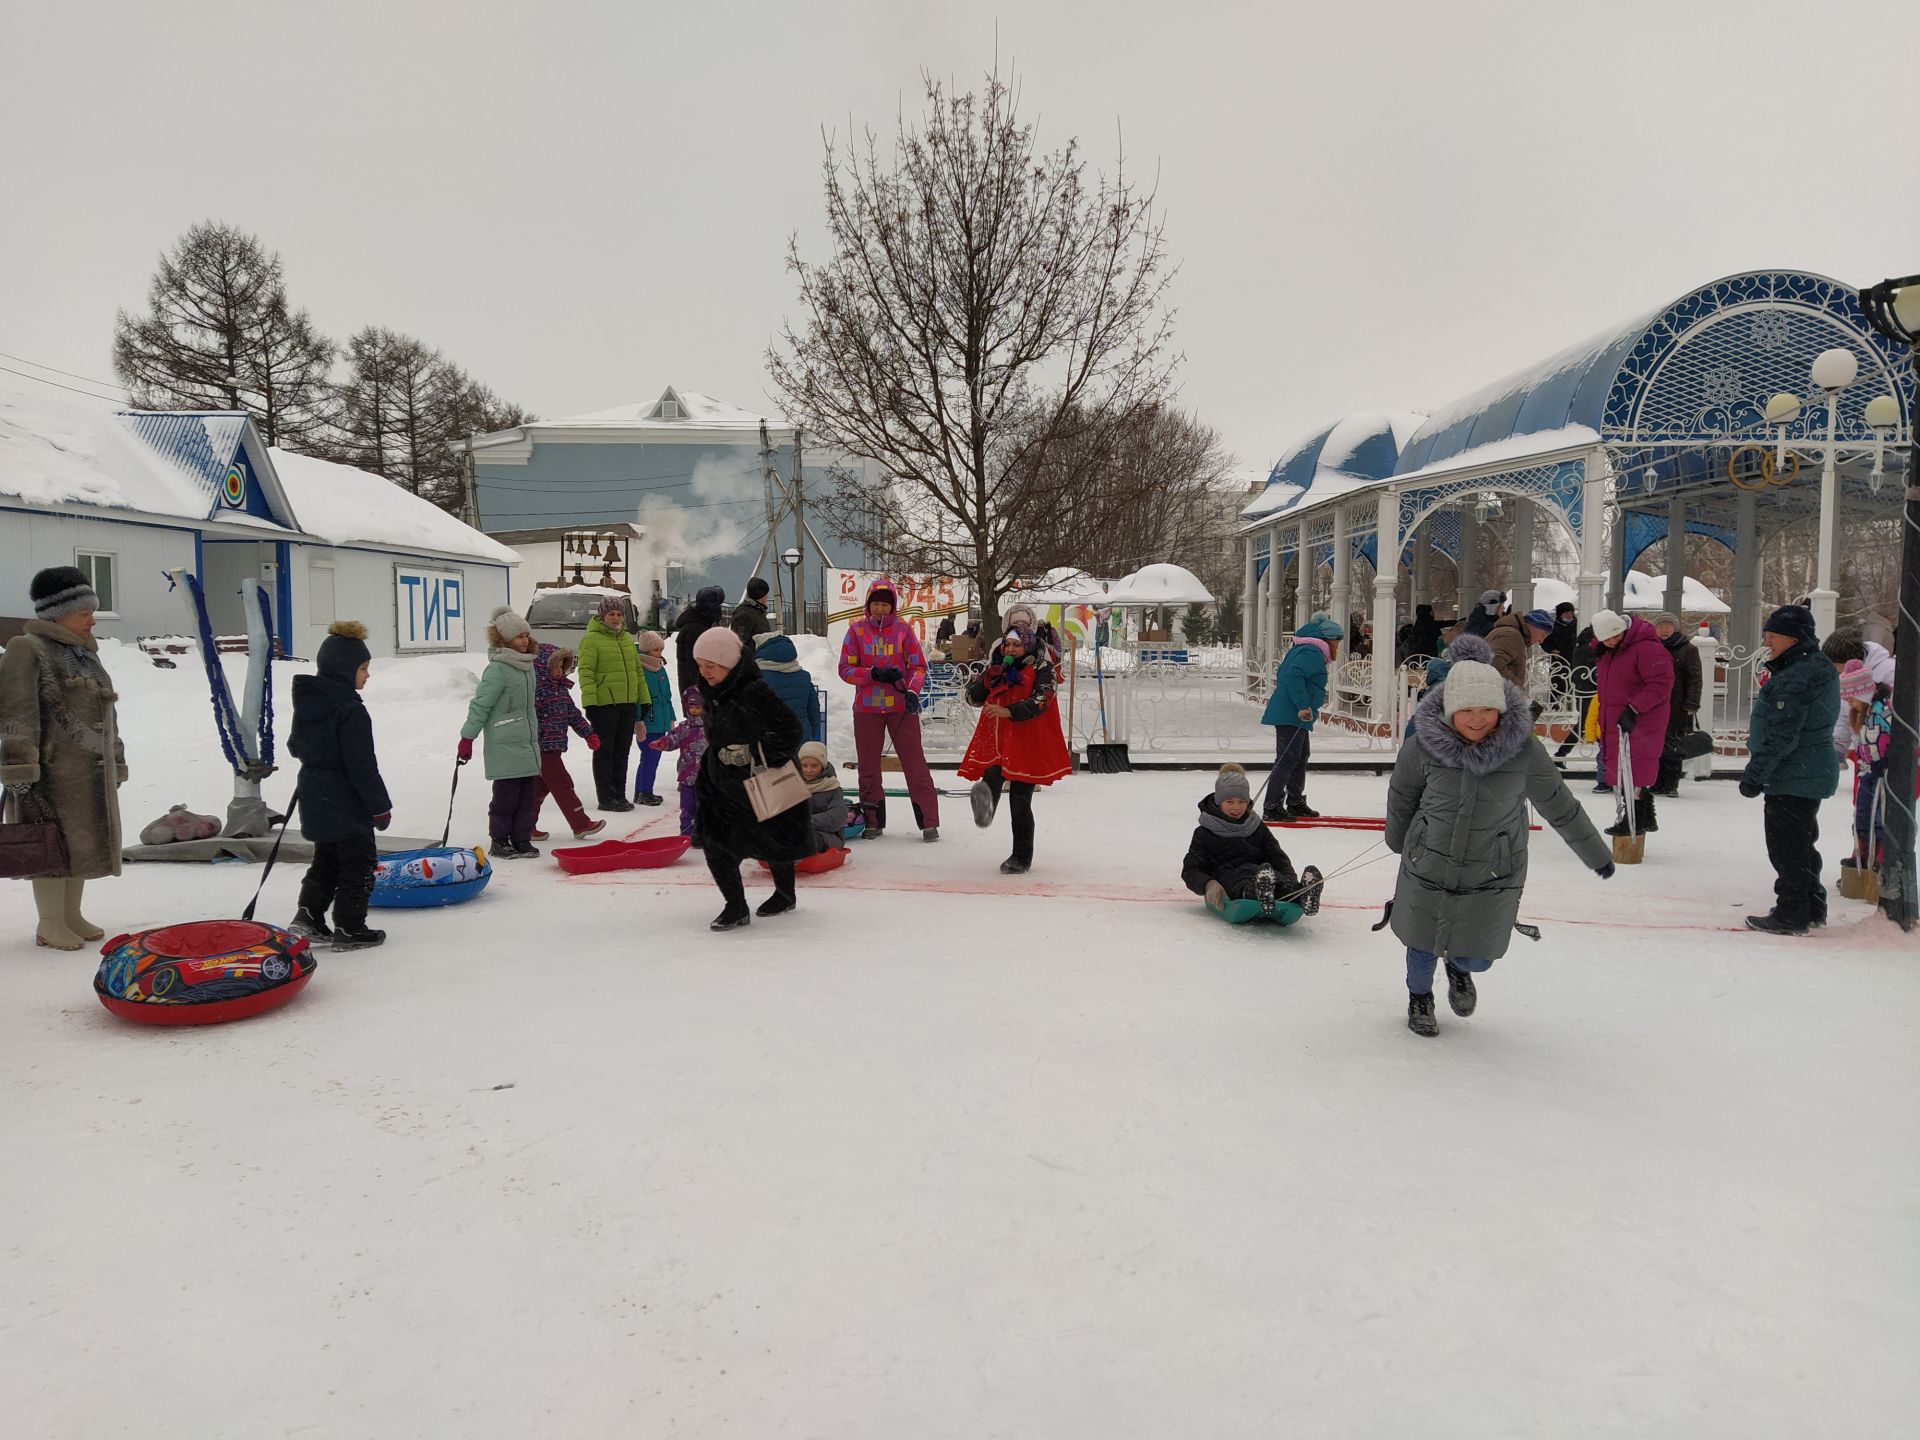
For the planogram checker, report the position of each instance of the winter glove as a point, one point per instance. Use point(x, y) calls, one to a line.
point(1307, 715)
point(1605, 872)
point(735, 755)
point(1629, 718)
point(381, 821)
point(1750, 789)
point(466, 750)
point(593, 742)
point(659, 744)
point(1537, 709)
point(885, 675)
point(1216, 895)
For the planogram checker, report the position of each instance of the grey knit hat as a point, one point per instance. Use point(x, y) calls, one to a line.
point(508, 623)
point(1231, 784)
point(61, 591)
point(1472, 685)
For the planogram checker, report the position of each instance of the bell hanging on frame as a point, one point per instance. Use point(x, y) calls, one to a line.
point(593, 548)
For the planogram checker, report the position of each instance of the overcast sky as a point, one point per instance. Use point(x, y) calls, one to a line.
point(1373, 205)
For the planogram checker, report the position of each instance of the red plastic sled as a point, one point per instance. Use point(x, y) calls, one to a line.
point(622, 855)
point(817, 864)
point(201, 973)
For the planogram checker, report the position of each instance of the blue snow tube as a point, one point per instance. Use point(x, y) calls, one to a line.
point(439, 875)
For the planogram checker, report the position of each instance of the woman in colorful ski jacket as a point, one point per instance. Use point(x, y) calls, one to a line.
point(881, 659)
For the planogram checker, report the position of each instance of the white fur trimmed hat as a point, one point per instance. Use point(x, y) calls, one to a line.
point(1472, 685)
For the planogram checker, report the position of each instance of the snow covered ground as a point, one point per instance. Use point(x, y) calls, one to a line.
point(947, 1154)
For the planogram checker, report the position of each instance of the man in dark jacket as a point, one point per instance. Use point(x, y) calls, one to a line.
point(1791, 761)
point(1423, 634)
point(1681, 718)
point(1583, 658)
point(342, 797)
point(699, 617)
point(750, 620)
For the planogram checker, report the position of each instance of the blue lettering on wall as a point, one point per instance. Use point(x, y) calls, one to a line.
point(431, 613)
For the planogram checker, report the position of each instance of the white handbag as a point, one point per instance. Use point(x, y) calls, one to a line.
point(774, 789)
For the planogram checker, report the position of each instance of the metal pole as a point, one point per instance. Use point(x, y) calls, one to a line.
point(772, 547)
point(799, 536)
point(1826, 601)
point(1899, 878)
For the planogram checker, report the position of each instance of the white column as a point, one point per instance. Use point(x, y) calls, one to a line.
point(1422, 564)
point(1303, 592)
point(1342, 568)
point(1523, 557)
point(1274, 625)
point(1617, 564)
point(1743, 626)
point(1469, 561)
point(1676, 554)
point(1386, 576)
point(1249, 605)
point(1825, 601)
point(1593, 531)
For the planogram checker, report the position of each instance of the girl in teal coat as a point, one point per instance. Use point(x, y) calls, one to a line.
point(505, 708)
point(656, 710)
point(1299, 690)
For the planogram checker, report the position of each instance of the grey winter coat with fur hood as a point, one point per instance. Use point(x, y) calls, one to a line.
point(1457, 818)
point(60, 733)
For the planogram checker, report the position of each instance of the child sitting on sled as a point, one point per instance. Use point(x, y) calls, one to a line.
point(1234, 856)
point(826, 801)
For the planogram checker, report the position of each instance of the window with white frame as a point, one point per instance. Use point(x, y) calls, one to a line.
point(98, 567)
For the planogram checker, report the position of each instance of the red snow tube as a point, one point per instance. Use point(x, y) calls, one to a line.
point(622, 855)
point(201, 973)
point(817, 864)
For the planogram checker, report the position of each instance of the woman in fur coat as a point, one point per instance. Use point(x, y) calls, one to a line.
point(60, 751)
point(1017, 743)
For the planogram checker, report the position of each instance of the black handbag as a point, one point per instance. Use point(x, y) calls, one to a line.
point(32, 846)
point(1693, 744)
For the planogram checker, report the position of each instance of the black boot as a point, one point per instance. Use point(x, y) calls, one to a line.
point(1460, 992)
point(778, 903)
point(314, 926)
point(731, 918)
point(1420, 1015)
point(1300, 810)
point(1264, 881)
point(1644, 815)
point(357, 937)
point(1014, 865)
point(1311, 884)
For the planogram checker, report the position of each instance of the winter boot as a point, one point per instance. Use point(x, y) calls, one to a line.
point(731, 918)
point(50, 900)
point(930, 833)
point(1300, 810)
point(1264, 882)
point(1769, 924)
point(1460, 992)
point(76, 922)
point(1644, 814)
point(985, 802)
point(1311, 883)
point(1014, 865)
point(541, 835)
point(647, 797)
point(1420, 1015)
point(313, 926)
point(357, 938)
point(778, 903)
point(591, 828)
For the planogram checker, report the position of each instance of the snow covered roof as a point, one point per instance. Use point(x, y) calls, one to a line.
point(55, 451)
point(675, 410)
point(349, 506)
point(1157, 585)
point(1507, 449)
point(1347, 455)
point(1649, 592)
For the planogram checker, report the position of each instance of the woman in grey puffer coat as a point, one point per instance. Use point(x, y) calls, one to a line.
point(1457, 818)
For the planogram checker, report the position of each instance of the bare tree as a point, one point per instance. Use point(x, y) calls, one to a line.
point(219, 334)
point(983, 303)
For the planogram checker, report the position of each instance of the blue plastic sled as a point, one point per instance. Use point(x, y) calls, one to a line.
point(1248, 912)
point(440, 875)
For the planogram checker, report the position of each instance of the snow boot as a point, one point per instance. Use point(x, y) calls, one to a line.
point(1420, 1015)
point(731, 918)
point(313, 926)
point(1300, 810)
point(647, 797)
point(360, 938)
point(1460, 992)
point(1264, 882)
point(50, 900)
point(1311, 883)
point(616, 803)
point(1644, 819)
point(541, 835)
point(985, 802)
point(1014, 865)
point(930, 833)
point(778, 903)
point(591, 828)
point(1772, 924)
point(77, 922)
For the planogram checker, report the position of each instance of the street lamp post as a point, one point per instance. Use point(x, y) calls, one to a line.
point(1893, 308)
point(791, 558)
point(1833, 371)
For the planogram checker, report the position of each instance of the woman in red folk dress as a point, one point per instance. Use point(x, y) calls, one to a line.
point(1018, 743)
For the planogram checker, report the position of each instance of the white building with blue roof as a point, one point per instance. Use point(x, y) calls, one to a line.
point(132, 497)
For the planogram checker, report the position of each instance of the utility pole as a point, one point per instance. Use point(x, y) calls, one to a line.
point(800, 533)
point(772, 546)
point(470, 510)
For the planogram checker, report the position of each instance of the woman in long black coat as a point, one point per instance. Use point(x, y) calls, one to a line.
point(746, 724)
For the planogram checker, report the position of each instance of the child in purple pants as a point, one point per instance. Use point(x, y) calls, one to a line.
point(689, 737)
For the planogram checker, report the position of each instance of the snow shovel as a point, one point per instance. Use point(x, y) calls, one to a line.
point(1630, 848)
point(1106, 758)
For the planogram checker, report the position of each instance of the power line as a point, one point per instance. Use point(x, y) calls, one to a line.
point(103, 384)
point(41, 379)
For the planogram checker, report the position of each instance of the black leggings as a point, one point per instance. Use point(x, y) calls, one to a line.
point(1020, 803)
point(614, 725)
point(725, 869)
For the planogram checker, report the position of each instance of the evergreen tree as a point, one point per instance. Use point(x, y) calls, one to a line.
point(1226, 626)
point(219, 334)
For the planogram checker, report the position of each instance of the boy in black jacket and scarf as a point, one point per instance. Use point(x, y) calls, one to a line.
point(342, 797)
point(1234, 856)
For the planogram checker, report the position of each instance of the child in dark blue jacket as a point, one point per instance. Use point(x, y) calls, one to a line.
point(343, 800)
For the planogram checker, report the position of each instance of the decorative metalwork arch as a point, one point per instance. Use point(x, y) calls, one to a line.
point(1559, 488)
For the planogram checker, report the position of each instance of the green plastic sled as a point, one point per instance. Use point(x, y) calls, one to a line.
point(1248, 912)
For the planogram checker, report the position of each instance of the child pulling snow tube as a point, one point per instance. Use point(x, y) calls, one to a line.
point(442, 875)
point(201, 973)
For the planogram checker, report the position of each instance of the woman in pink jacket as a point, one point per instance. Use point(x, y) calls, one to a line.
point(881, 659)
point(1635, 676)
